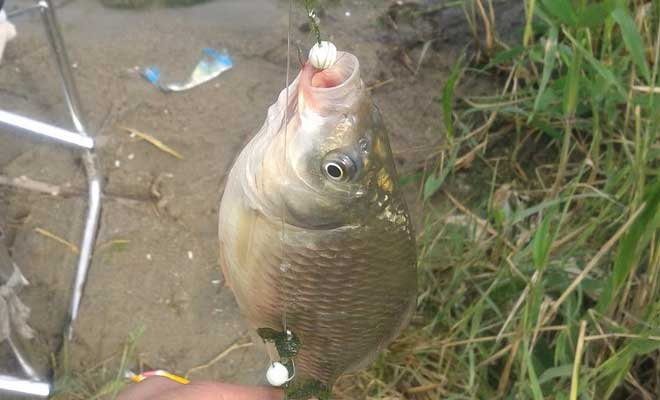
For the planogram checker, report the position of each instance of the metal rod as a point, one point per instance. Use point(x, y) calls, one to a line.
point(9, 274)
point(86, 247)
point(90, 161)
point(19, 12)
point(25, 358)
point(63, 65)
point(24, 386)
point(46, 130)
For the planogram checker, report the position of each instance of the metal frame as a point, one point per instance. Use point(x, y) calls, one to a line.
point(37, 384)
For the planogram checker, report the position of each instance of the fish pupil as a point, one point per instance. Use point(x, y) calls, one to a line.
point(334, 171)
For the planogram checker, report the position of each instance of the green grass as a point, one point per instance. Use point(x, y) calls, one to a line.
point(104, 380)
point(543, 281)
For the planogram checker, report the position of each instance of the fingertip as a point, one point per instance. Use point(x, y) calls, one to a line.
point(148, 388)
point(239, 392)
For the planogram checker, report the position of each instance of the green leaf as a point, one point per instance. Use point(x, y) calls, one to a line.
point(571, 88)
point(541, 242)
point(593, 15)
point(533, 380)
point(548, 66)
point(504, 56)
point(644, 346)
point(607, 74)
point(434, 182)
point(536, 53)
point(563, 10)
point(563, 351)
point(545, 127)
point(614, 381)
point(556, 372)
point(448, 99)
point(632, 40)
point(635, 239)
point(613, 370)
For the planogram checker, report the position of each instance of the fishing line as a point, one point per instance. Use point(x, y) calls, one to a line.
point(284, 261)
point(274, 374)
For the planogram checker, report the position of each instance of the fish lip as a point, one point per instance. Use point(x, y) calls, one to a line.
point(309, 71)
point(327, 100)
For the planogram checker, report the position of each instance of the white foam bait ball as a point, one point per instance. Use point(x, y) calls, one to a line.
point(323, 55)
point(277, 374)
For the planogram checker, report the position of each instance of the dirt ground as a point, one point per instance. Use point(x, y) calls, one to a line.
point(165, 276)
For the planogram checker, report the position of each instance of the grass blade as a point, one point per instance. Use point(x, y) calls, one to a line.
point(548, 66)
point(578, 360)
point(633, 41)
point(598, 66)
point(563, 10)
point(448, 99)
point(533, 380)
point(434, 181)
point(153, 141)
point(571, 89)
point(593, 15)
point(550, 374)
point(541, 243)
point(635, 239)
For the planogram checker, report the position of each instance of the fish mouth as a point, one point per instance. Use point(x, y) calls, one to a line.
point(332, 89)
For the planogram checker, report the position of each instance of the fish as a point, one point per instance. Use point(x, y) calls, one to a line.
point(315, 235)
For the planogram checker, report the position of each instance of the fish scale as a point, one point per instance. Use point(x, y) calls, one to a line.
point(331, 346)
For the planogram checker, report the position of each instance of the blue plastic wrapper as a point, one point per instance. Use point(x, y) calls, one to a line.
point(212, 64)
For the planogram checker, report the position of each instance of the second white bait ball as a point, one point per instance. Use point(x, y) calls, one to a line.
point(323, 55)
point(277, 374)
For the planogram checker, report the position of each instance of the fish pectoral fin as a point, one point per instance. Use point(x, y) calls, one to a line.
point(226, 281)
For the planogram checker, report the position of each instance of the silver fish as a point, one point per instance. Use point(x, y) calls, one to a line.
point(315, 235)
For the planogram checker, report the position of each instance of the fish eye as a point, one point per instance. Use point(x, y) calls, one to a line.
point(334, 170)
point(339, 167)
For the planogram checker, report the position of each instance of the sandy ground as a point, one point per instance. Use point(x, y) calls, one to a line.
point(166, 277)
